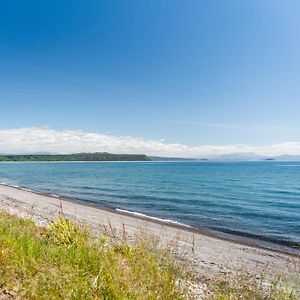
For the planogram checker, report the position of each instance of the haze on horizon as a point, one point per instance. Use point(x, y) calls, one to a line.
point(170, 78)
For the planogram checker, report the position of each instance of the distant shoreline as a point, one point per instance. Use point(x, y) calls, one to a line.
point(96, 156)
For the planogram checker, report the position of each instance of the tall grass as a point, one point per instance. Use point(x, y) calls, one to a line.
point(63, 261)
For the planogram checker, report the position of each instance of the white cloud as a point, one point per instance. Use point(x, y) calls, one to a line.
point(252, 128)
point(37, 139)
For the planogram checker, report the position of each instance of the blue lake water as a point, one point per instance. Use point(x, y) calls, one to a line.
point(245, 198)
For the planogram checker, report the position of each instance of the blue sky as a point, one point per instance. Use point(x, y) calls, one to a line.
point(188, 72)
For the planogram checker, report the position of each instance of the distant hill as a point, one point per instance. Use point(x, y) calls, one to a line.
point(159, 158)
point(287, 157)
point(247, 156)
point(98, 156)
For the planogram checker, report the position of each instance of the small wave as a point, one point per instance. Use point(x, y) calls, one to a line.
point(26, 189)
point(16, 186)
point(152, 218)
point(11, 185)
point(288, 165)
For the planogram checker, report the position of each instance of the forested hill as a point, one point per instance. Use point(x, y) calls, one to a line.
point(99, 156)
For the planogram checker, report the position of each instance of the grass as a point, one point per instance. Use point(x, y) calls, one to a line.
point(248, 287)
point(64, 261)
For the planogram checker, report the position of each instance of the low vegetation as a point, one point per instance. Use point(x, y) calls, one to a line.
point(65, 261)
point(245, 286)
point(98, 156)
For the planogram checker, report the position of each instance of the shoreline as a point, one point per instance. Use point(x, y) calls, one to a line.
point(242, 239)
point(211, 255)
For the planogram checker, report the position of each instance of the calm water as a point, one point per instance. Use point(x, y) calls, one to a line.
point(253, 198)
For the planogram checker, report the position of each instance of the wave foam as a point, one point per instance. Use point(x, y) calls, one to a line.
point(152, 218)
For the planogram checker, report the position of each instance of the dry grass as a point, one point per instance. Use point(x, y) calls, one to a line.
point(241, 285)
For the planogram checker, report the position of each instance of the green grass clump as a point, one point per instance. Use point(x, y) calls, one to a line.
point(65, 232)
point(63, 261)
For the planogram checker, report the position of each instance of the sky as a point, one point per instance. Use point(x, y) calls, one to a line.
point(188, 78)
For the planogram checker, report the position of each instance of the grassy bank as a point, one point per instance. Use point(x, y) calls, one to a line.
point(64, 261)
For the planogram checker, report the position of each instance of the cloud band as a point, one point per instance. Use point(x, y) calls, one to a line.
point(37, 139)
